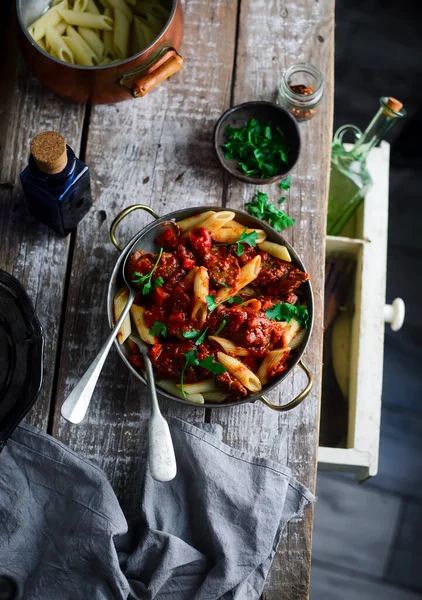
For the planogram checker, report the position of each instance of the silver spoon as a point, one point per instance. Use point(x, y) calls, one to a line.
point(76, 404)
point(162, 461)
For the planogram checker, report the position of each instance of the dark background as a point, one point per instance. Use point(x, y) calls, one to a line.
point(368, 538)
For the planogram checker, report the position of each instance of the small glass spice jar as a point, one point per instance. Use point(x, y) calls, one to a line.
point(301, 89)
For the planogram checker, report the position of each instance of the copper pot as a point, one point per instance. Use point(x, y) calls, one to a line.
point(133, 77)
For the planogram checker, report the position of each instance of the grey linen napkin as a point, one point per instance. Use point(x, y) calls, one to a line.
point(209, 534)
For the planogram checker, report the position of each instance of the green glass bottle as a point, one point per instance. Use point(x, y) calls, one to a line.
point(349, 178)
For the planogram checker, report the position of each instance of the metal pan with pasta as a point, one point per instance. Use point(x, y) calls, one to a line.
point(211, 341)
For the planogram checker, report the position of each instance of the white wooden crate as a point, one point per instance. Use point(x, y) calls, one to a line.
point(368, 243)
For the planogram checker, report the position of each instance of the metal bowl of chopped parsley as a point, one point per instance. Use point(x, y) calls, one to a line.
point(257, 142)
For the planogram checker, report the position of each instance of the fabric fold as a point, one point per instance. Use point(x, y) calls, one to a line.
point(209, 534)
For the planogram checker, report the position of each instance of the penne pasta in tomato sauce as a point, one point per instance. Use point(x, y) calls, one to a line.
point(220, 317)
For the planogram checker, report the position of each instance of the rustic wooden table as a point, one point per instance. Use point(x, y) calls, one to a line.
point(158, 150)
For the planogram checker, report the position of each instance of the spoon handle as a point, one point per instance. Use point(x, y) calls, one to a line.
point(76, 404)
point(162, 461)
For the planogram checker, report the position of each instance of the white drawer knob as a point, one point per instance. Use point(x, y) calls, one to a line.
point(394, 314)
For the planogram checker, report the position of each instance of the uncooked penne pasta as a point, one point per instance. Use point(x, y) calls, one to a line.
point(271, 361)
point(83, 53)
point(199, 387)
point(228, 346)
point(92, 39)
point(121, 34)
point(291, 330)
point(170, 387)
point(143, 35)
point(84, 19)
point(217, 220)
point(119, 303)
point(276, 250)
point(42, 44)
point(143, 8)
point(57, 44)
point(108, 39)
point(123, 7)
point(191, 223)
point(155, 23)
point(229, 235)
point(248, 273)
point(200, 292)
point(236, 368)
point(51, 17)
point(215, 396)
point(60, 27)
point(138, 313)
point(80, 5)
point(92, 7)
point(298, 339)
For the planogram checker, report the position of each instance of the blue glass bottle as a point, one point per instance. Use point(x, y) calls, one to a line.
point(58, 197)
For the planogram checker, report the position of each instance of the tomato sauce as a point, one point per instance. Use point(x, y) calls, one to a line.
point(169, 301)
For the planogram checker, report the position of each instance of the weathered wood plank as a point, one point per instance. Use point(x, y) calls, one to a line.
point(156, 150)
point(29, 250)
point(273, 35)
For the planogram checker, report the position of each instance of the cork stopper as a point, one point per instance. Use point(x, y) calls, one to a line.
point(49, 151)
point(394, 104)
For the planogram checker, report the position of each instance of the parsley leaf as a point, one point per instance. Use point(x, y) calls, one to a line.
point(262, 209)
point(221, 282)
point(201, 337)
point(191, 360)
point(221, 327)
point(145, 280)
point(158, 282)
point(235, 300)
point(158, 329)
point(214, 367)
point(246, 238)
point(212, 304)
point(259, 149)
point(207, 363)
point(191, 335)
point(287, 312)
point(285, 184)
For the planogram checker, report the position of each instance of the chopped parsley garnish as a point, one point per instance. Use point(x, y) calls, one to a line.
point(221, 282)
point(287, 312)
point(145, 280)
point(191, 360)
point(262, 209)
point(201, 337)
point(212, 304)
point(285, 184)
point(158, 329)
point(207, 363)
point(246, 238)
point(212, 366)
point(259, 149)
point(221, 327)
point(235, 300)
point(191, 335)
point(158, 282)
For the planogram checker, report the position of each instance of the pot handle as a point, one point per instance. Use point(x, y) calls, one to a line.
point(122, 215)
point(142, 81)
point(299, 398)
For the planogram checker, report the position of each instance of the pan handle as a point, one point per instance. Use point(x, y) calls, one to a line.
point(143, 80)
point(299, 398)
point(122, 215)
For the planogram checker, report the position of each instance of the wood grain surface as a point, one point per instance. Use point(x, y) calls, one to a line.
point(28, 249)
point(158, 151)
